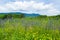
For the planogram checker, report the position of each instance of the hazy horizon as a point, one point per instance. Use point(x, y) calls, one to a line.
point(42, 7)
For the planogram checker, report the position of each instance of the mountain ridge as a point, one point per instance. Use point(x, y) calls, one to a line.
point(26, 14)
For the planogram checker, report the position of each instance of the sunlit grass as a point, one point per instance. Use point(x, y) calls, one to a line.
point(31, 33)
point(30, 29)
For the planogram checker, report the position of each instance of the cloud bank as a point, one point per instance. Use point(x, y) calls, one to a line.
point(30, 7)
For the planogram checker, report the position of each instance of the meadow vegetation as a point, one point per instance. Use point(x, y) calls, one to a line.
point(19, 27)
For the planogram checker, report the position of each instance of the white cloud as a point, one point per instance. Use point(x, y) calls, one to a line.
point(30, 7)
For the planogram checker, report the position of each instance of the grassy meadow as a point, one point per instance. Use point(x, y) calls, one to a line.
point(19, 27)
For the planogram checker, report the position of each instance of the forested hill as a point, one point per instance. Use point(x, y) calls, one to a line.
point(23, 15)
point(18, 13)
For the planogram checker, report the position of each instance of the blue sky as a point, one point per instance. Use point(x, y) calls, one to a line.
point(42, 7)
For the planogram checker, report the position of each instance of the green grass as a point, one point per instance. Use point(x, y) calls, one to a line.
point(31, 33)
point(41, 29)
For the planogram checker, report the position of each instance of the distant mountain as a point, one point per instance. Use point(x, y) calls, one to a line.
point(27, 15)
point(31, 15)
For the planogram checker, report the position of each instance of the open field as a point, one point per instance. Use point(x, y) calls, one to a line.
point(36, 28)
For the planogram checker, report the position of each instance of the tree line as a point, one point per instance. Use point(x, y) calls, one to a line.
point(4, 16)
point(12, 16)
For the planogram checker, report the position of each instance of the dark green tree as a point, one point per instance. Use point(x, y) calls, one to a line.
point(9, 15)
point(21, 16)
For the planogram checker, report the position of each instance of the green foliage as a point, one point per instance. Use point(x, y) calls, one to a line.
point(4, 16)
point(7, 16)
point(18, 16)
point(21, 16)
point(42, 16)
